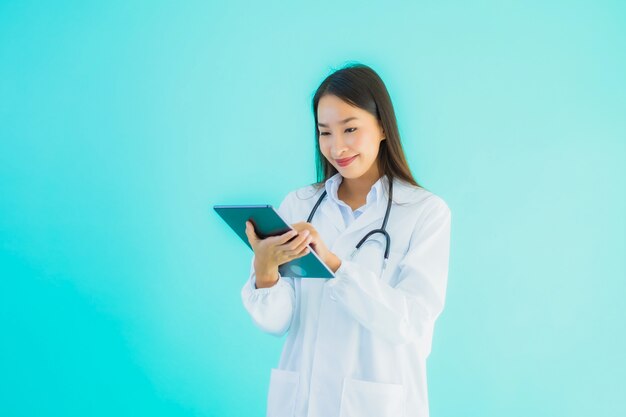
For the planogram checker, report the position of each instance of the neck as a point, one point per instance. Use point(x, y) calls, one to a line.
point(358, 188)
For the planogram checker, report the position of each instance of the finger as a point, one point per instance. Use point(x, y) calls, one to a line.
point(304, 225)
point(291, 255)
point(285, 237)
point(304, 251)
point(303, 241)
point(296, 247)
point(295, 242)
point(301, 226)
point(250, 232)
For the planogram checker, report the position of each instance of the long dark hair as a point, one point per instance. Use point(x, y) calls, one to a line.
point(360, 86)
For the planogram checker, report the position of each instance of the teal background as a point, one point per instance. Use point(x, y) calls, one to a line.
point(122, 123)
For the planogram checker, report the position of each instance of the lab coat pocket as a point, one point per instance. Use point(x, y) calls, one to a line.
point(365, 398)
point(281, 399)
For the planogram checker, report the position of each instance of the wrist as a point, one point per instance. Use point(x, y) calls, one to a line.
point(334, 262)
point(265, 280)
point(266, 276)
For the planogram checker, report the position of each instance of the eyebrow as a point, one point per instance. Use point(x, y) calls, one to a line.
point(342, 122)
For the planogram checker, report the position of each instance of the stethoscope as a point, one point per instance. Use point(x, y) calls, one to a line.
point(381, 230)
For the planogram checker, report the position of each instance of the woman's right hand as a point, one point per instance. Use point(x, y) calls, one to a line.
point(274, 251)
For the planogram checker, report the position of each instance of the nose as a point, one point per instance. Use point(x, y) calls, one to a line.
point(337, 146)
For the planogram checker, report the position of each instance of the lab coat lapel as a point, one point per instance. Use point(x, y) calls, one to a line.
point(332, 214)
point(373, 217)
point(369, 219)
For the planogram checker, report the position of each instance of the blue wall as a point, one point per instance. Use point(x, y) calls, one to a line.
point(122, 123)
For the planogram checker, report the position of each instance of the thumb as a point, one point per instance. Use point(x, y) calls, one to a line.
point(252, 237)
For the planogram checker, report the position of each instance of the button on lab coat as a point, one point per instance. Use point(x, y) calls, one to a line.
point(357, 344)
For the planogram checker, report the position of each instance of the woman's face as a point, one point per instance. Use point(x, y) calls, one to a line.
point(346, 131)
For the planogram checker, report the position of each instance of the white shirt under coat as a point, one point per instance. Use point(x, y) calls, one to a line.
point(357, 344)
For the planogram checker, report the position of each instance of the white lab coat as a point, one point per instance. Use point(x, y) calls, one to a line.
point(357, 344)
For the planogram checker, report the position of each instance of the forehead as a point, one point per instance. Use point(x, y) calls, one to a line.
point(331, 109)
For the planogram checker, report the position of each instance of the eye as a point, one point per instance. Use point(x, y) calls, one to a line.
point(351, 129)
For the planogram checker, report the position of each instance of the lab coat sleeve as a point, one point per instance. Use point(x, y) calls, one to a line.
point(271, 309)
point(404, 311)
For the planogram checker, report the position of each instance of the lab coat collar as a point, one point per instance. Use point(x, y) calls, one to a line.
point(403, 193)
point(373, 197)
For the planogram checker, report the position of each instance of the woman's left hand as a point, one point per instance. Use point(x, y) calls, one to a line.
point(318, 245)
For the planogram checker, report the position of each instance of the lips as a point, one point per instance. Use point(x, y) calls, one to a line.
point(345, 161)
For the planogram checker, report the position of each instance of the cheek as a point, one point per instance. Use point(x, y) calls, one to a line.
point(356, 142)
point(359, 143)
point(324, 146)
point(369, 144)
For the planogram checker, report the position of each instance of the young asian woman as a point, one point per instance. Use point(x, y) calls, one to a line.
point(357, 343)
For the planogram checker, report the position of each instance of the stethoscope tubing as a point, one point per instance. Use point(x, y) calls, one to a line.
point(382, 230)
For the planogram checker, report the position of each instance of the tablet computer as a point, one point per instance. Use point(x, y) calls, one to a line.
point(267, 222)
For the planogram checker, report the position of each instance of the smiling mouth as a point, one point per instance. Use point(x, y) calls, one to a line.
point(346, 161)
